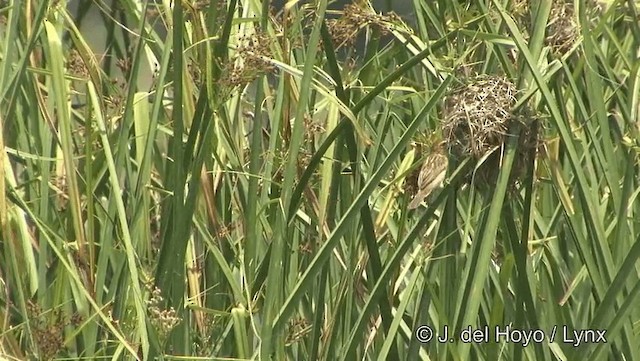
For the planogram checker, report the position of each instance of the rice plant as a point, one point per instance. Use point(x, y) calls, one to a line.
point(233, 180)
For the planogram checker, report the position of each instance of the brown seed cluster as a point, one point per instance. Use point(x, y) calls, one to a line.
point(312, 129)
point(355, 18)
point(48, 330)
point(304, 159)
point(195, 72)
point(249, 62)
point(298, 328)
point(76, 65)
point(478, 116)
point(563, 28)
point(124, 64)
point(200, 5)
point(221, 18)
point(114, 99)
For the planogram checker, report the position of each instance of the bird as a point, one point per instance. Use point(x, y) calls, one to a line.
point(432, 174)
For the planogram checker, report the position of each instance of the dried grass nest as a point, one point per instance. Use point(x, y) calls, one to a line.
point(478, 116)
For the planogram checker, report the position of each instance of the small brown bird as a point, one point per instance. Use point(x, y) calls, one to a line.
point(431, 176)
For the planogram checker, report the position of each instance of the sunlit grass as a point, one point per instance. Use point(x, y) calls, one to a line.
point(237, 187)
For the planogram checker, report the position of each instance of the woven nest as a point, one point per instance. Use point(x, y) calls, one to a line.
point(478, 117)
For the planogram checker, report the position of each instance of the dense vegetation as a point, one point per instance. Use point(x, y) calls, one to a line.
point(227, 180)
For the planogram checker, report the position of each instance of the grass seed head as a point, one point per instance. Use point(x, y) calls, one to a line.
point(563, 28)
point(355, 18)
point(248, 63)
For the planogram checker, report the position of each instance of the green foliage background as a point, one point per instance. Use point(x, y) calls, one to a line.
point(250, 201)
